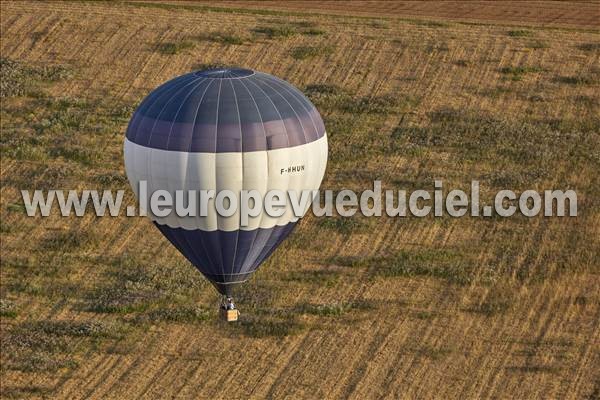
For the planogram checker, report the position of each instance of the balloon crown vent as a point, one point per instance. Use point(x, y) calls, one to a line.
point(225, 73)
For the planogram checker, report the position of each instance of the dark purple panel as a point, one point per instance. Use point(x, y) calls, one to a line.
point(226, 257)
point(225, 110)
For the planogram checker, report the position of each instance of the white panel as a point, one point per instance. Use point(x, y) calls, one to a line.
point(296, 168)
point(229, 177)
point(201, 175)
point(256, 170)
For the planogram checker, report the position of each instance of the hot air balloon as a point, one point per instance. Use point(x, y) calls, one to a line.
point(226, 129)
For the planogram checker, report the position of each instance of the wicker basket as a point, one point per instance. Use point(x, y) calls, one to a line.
point(230, 315)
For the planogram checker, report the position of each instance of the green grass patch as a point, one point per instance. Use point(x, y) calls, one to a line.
point(335, 309)
point(183, 314)
point(327, 96)
point(589, 46)
point(588, 101)
point(66, 240)
point(537, 44)
point(257, 295)
point(8, 309)
point(331, 98)
point(122, 111)
point(314, 32)
point(27, 147)
point(263, 326)
point(520, 70)
point(432, 352)
point(111, 179)
point(172, 48)
point(383, 104)
point(379, 24)
point(518, 145)
point(348, 261)
point(497, 301)
point(19, 78)
point(206, 8)
point(343, 225)
point(302, 24)
point(325, 278)
point(490, 307)
point(424, 315)
point(131, 286)
point(224, 38)
point(276, 31)
point(73, 152)
point(520, 33)
point(55, 176)
point(120, 300)
point(324, 89)
point(47, 345)
point(517, 73)
point(576, 80)
point(67, 128)
point(441, 264)
point(289, 29)
point(430, 24)
point(535, 369)
point(26, 391)
point(310, 28)
point(16, 208)
point(305, 52)
point(78, 328)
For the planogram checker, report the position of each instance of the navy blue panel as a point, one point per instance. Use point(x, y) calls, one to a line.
point(189, 106)
point(226, 257)
point(170, 97)
point(165, 87)
point(229, 131)
point(148, 102)
point(248, 109)
point(225, 110)
point(298, 102)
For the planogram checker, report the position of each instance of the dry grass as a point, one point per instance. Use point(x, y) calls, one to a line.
point(403, 308)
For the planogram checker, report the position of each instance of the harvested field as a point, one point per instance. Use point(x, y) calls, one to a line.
point(581, 14)
point(424, 308)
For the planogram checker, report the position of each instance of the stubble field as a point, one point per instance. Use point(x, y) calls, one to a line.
point(346, 308)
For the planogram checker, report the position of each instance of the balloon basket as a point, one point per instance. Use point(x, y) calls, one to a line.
point(229, 315)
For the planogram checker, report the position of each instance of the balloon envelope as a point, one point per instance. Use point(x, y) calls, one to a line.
point(226, 129)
